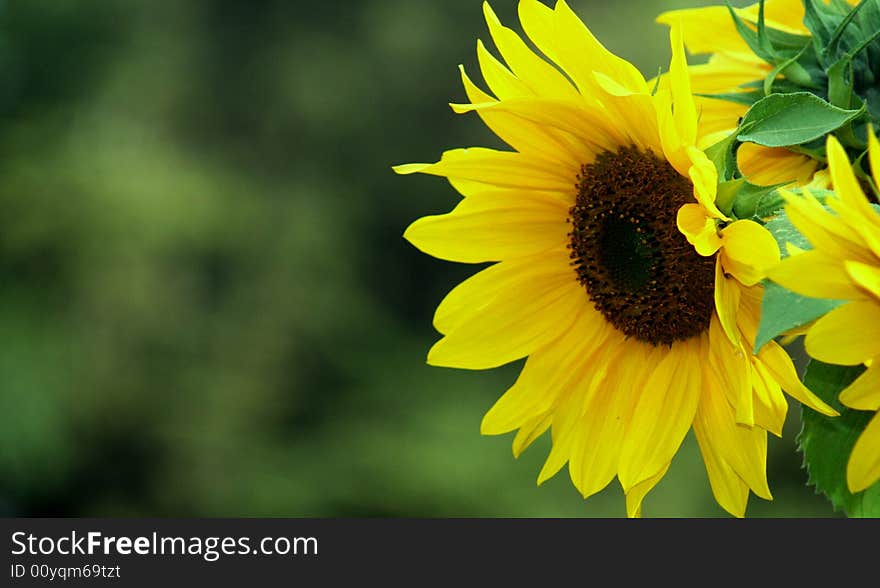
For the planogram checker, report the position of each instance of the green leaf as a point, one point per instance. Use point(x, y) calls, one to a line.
point(782, 310)
point(780, 120)
point(826, 442)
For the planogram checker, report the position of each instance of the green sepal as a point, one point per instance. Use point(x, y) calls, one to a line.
point(746, 98)
point(771, 45)
point(829, 52)
point(754, 202)
point(840, 83)
point(822, 20)
point(727, 191)
point(723, 155)
point(826, 442)
point(757, 41)
point(791, 70)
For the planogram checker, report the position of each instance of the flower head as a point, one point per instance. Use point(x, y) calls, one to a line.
point(634, 332)
point(843, 264)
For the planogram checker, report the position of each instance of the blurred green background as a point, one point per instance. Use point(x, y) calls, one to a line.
point(206, 304)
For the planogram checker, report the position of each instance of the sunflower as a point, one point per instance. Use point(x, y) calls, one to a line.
point(732, 65)
point(844, 264)
point(633, 332)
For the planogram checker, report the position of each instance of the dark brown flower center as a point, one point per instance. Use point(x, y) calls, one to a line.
point(638, 269)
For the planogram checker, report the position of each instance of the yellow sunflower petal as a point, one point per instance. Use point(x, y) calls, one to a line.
point(743, 447)
point(705, 179)
point(566, 426)
point(728, 488)
point(727, 297)
point(562, 445)
point(575, 126)
point(846, 186)
point(816, 274)
point(492, 229)
point(529, 432)
point(673, 146)
point(500, 80)
point(711, 29)
point(724, 73)
point(663, 414)
point(523, 135)
point(602, 427)
point(699, 229)
point(512, 325)
point(541, 77)
point(768, 166)
point(547, 374)
point(714, 123)
point(874, 155)
point(749, 249)
point(863, 468)
point(640, 116)
point(505, 169)
point(584, 54)
point(737, 452)
point(848, 335)
point(864, 392)
point(730, 367)
point(830, 233)
point(784, 15)
point(866, 276)
point(770, 405)
point(636, 495)
point(466, 187)
point(707, 30)
point(467, 300)
point(680, 83)
point(779, 365)
point(864, 221)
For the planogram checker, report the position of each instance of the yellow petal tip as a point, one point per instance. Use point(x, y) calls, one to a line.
point(409, 168)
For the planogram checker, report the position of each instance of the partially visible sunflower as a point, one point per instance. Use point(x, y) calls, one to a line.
point(632, 335)
point(844, 264)
point(732, 64)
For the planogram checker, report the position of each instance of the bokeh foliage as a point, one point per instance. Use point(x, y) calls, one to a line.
point(206, 304)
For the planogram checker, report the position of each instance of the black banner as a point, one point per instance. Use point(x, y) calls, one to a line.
point(151, 552)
